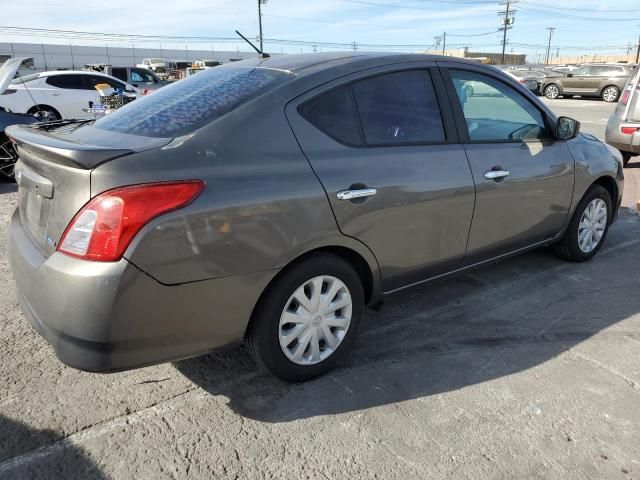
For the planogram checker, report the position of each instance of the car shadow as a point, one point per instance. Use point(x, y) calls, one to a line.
point(27, 453)
point(503, 319)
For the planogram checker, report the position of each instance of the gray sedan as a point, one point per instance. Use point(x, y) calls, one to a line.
point(270, 201)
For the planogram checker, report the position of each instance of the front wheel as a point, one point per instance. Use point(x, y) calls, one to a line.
point(307, 321)
point(551, 91)
point(610, 94)
point(588, 228)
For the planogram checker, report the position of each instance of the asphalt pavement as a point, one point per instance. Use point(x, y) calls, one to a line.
point(528, 368)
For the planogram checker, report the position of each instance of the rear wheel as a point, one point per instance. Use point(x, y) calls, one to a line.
point(626, 156)
point(307, 321)
point(8, 157)
point(551, 91)
point(610, 94)
point(588, 227)
point(44, 113)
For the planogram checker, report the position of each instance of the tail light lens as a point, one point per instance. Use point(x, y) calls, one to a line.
point(625, 96)
point(628, 130)
point(104, 227)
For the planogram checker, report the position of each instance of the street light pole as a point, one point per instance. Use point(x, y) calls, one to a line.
point(444, 42)
point(638, 50)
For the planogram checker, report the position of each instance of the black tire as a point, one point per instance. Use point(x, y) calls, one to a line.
point(626, 156)
point(8, 158)
point(262, 338)
point(568, 247)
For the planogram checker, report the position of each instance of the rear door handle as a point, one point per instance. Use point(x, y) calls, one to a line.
point(496, 174)
point(353, 194)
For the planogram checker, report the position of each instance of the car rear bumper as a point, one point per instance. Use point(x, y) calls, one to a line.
point(112, 316)
point(615, 138)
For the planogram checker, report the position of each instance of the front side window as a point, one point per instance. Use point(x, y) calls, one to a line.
point(399, 108)
point(185, 106)
point(141, 75)
point(581, 71)
point(500, 115)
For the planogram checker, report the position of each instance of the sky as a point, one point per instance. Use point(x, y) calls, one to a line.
point(589, 26)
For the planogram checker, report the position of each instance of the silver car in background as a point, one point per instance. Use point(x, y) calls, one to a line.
point(269, 201)
point(623, 127)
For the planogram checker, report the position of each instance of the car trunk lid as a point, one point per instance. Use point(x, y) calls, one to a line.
point(54, 174)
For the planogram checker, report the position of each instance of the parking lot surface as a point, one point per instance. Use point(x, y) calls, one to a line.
point(528, 368)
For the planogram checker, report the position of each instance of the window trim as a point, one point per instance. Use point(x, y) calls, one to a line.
point(461, 122)
point(448, 123)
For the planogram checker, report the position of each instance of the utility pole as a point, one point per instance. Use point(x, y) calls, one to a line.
point(260, 3)
point(546, 58)
point(506, 22)
point(638, 50)
point(444, 42)
point(355, 46)
point(437, 39)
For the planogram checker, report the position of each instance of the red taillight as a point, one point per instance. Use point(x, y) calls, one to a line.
point(628, 130)
point(104, 227)
point(625, 96)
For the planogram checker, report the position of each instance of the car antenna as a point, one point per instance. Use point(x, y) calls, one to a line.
point(35, 104)
point(260, 52)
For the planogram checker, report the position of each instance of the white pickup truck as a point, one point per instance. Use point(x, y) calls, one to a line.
point(156, 65)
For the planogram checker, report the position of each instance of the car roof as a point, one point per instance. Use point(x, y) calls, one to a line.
point(75, 72)
point(306, 62)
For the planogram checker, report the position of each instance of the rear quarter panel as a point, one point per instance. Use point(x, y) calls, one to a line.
point(261, 208)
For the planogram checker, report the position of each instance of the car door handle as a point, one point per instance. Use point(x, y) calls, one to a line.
point(353, 194)
point(496, 174)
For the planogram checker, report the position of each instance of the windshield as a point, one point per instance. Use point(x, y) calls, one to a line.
point(189, 104)
point(24, 78)
point(156, 60)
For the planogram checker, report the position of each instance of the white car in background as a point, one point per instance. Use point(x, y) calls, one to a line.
point(58, 95)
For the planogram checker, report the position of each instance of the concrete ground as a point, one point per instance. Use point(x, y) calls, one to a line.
point(528, 368)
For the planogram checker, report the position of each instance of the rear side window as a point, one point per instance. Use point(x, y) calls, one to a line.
point(72, 82)
point(120, 73)
point(399, 108)
point(189, 104)
point(335, 114)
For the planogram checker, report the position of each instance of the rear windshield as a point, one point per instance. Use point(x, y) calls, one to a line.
point(186, 105)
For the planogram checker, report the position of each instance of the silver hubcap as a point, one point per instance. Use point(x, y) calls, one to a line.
point(610, 94)
point(552, 91)
point(592, 225)
point(315, 320)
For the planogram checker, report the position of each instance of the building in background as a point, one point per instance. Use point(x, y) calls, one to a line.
point(57, 57)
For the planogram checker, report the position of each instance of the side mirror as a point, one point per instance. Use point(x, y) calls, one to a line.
point(569, 75)
point(567, 128)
